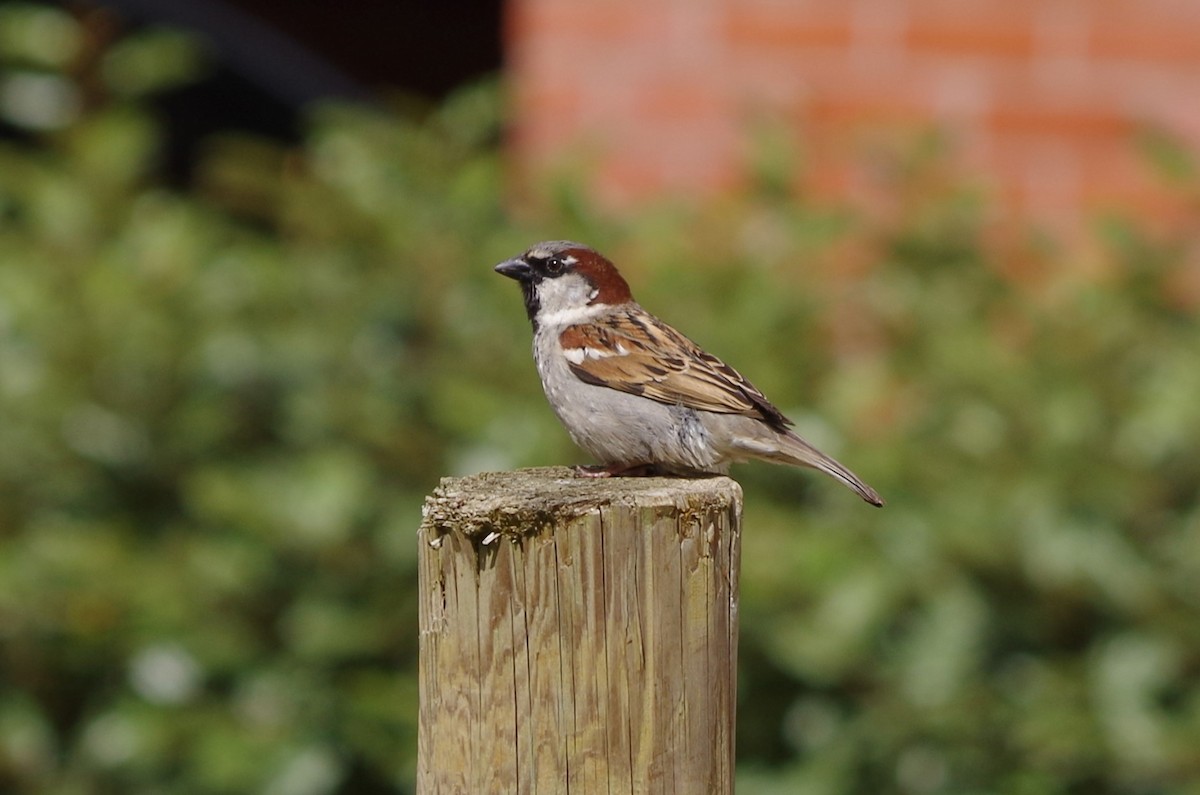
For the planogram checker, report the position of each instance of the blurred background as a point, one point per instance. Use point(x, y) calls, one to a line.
point(248, 319)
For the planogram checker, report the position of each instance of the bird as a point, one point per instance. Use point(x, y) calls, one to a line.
point(634, 393)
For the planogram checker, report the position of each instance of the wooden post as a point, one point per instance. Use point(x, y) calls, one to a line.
point(578, 636)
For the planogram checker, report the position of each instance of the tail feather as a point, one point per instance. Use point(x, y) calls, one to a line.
point(797, 452)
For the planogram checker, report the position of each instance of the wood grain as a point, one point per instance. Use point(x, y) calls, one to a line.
point(578, 635)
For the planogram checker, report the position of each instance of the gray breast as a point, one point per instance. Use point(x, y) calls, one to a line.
point(617, 427)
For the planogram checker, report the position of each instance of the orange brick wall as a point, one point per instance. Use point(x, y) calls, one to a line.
point(1043, 98)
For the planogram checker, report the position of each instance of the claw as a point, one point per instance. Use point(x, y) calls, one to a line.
point(616, 471)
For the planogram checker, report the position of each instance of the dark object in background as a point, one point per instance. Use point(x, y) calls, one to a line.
point(272, 59)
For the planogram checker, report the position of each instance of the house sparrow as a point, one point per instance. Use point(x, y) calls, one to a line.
point(635, 393)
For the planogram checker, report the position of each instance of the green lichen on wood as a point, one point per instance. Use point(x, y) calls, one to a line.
point(518, 504)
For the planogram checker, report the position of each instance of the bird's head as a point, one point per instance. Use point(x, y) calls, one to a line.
point(564, 282)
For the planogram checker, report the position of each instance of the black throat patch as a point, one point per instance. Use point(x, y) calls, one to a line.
point(529, 293)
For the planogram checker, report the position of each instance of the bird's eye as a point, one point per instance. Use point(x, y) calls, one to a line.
point(554, 265)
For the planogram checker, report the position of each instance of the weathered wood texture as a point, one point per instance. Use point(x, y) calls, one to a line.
point(578, 636)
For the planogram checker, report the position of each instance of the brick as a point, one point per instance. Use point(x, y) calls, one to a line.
point(896, 98)
point(857, 112)
point(1053, 121)
point(972, 38)
point(1060, 28)
point(787, 75)
point(1136, 32)
point(960, 94)
point(786, 26)
point(679, 97)
point(614, 20)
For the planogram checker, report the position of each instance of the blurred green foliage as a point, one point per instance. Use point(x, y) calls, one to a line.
point(221, 408)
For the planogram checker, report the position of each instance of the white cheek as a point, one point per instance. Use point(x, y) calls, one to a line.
point(564, 300)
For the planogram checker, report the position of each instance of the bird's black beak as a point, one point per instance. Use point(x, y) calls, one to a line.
point(516, 268)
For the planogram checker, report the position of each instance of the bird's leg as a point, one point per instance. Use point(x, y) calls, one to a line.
point(616, 471)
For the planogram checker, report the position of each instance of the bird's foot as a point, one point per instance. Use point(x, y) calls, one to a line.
point(616, 471)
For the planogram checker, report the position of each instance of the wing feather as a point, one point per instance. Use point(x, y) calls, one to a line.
point(641, 355)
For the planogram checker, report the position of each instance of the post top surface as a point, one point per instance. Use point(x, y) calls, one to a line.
point(507, 502)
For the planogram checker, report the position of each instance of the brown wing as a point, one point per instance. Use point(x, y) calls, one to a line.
point(639, 354)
